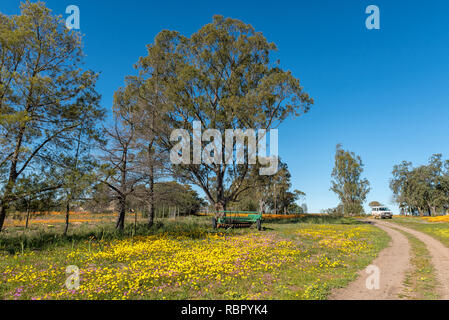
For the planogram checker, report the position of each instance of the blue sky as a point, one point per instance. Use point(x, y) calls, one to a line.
point(383, 94)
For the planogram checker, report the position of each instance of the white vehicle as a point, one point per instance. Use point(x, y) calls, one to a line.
point(381, 213)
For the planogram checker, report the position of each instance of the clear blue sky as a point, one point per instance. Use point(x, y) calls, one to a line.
point(383, 94)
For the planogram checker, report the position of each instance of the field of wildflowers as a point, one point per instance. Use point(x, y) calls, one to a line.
point(286, 261)
point(437, 218)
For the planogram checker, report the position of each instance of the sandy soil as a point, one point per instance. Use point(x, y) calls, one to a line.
point(393, 263)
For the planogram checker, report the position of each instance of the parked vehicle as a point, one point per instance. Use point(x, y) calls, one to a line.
point(381, 212)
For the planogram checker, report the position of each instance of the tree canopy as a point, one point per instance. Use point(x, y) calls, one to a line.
point(347, 181)
point(222, 76)
point(46, 96)
point(270, 193)
point(424, 188)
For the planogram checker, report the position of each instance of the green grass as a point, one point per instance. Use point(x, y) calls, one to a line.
point(315, 219)
point(40, 237)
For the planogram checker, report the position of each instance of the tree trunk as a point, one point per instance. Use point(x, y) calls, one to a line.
point(120, 225)
point(67, 214)
point(3, 209)
point(261, 206)
point(220, 207)
point(4, 204)
point(135, 221)
point(151, 197)
point(220, 203)
point(275, 201)
point(150, 215)
point(421, 212)
point(28, 216)
point(433, 210)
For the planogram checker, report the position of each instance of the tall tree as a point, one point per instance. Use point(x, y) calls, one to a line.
point(120, 171)
point(140, 101)
point(224, 77)
point(45, 95)
point(347, 181)
point(401, 187)
point(424, 188)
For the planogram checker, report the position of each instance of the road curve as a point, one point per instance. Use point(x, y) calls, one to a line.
point(393, 263)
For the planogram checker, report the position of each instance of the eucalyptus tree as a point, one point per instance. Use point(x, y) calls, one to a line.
point(224, 77)
point(282, 198)
point(347, 181)
point(400, 185)
point(436, 176)
point(269, 192)
point(45, 94)
point(173, 194)
point(424, 188)
point(274, 190)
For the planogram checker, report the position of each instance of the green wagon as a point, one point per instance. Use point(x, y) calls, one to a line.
point(237, 219)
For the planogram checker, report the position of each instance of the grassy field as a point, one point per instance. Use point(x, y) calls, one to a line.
point(185, 259)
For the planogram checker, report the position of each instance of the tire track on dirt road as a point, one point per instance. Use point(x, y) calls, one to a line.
point(439, 254)
point(393, 263)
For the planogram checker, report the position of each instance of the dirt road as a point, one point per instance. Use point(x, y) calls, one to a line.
point(440, 259)
point(394, 263)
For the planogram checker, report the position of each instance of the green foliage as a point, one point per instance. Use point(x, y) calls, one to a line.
point(347, 182)
point(270, 193)
point(224, 77)
point(338, 211)
point(44, 239)
point(46, 98)
point(170, 194)
point(167, 194)
point(424, 188)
